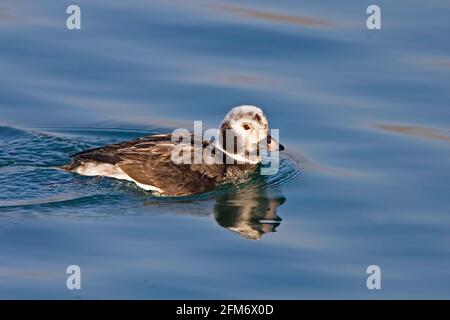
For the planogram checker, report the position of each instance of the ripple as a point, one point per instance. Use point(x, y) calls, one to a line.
point(64, 199)
point(28, 180)
point(33, 190)
point(6, 15)
point(416, 131)
point(278, 17)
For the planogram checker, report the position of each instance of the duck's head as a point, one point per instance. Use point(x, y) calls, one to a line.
point(249, 127)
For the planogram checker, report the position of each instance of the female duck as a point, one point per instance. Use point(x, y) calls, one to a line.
point(148, 162)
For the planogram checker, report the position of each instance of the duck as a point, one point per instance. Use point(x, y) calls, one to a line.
point(148, 161)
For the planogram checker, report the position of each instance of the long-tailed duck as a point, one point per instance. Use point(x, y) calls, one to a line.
point(147, 161)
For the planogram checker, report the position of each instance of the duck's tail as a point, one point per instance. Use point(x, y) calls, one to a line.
point(67, 167)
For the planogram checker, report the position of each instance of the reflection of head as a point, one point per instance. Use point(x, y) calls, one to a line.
point(251, 214)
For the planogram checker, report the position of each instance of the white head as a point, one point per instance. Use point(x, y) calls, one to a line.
point(250, 127)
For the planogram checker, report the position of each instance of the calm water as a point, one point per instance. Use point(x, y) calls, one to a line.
point(364, 115)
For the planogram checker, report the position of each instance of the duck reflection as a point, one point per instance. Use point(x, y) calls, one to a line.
point(249, 210)
point(250, 213)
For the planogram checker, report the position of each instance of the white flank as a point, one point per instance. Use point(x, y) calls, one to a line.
point(111, 171)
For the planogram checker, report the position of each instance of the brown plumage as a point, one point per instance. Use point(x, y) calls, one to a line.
point(147, 162)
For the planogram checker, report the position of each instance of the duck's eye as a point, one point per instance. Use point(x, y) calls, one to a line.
point(246, 126)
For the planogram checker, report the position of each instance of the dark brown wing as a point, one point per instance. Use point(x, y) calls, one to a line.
point(110, 153)
point(148, 161)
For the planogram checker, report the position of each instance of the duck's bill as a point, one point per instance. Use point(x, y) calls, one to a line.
point(274, 145)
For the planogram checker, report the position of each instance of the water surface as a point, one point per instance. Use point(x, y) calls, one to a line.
point(364, 116)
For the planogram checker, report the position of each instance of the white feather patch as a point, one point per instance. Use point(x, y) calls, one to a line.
point(111, 171)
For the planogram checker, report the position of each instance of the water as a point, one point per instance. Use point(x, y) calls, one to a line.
point(364, 116)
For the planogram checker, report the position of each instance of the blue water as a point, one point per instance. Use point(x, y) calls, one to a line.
point(364, 116)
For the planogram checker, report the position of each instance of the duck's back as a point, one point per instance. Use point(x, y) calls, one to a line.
point(147, 161)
